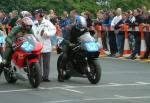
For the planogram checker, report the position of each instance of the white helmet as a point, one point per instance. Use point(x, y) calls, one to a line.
point(25, 14)
point(27, 21)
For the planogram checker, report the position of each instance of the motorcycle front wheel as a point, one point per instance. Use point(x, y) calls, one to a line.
point(35, 75)
point(94, 71)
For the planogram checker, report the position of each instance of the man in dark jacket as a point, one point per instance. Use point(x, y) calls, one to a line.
point(139, 20)
point(146, 16)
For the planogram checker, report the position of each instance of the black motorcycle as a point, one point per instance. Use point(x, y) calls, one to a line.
point(84, 60)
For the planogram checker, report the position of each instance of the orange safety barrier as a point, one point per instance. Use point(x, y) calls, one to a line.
point(143, 44)
point(57, 30)
point(99, 28)
point(126, 51)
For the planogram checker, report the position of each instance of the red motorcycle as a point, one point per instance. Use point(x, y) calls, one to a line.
point(25, 61)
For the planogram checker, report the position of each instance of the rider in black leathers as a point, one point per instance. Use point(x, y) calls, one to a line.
point(76, 31)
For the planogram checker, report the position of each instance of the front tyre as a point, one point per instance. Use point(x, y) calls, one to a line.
point(35, 75)
point(94, 71)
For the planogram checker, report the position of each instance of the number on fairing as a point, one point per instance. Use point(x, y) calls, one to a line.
point(27, 47)
point(91, 46)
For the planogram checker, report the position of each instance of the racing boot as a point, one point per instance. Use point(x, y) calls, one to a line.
point(2, 64)
point(60, 76)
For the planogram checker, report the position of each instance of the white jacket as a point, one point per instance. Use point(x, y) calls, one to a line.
point(115, 20)
point(49, 29)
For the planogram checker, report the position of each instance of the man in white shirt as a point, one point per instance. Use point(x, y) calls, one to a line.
point(43, 30)
point(118, 33)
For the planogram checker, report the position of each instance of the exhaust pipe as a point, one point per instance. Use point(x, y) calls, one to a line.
point(20, 76)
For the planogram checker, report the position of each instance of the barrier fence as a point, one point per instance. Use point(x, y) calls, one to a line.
point(126, 29)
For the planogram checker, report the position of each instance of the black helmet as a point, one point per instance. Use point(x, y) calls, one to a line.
point(38, 11)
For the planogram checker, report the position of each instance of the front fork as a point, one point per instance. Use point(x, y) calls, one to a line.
point(87, 68)
point(29, 63)
point(28, 67)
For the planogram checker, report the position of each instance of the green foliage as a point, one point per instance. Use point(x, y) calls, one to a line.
point(60, 5)
point(129, 4)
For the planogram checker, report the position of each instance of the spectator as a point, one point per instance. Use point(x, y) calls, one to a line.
point(146, 17)
point(130, 21)
point(138, 20)
point(2, 39)
point(99, 19)
point(14, 18)
point(44, 29)
point(53, 19)
point(73, 14)
point(117, 31)
point(86, 14)
point(112, 38)
point(4, 21)
point(1, 16)
point(106, 23)
point(143, 8)
point(64, 24)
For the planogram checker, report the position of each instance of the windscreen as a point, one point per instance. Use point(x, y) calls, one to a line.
point(86, 37)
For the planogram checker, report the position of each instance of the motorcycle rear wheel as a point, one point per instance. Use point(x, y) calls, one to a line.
point(65, 76)
point(35, 75)
point(9, 76)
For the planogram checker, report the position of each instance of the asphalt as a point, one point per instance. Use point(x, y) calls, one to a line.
point(122, 81)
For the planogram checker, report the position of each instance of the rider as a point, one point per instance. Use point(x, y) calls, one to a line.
point(79, 28)
point(25, 26)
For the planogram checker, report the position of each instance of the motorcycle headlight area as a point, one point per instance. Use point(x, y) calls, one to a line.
point(90, 46)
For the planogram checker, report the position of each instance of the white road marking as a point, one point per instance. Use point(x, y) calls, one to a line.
point(61, 101)
point(110, 85)
point(41, 87)
point(119, 96)
point(69, 88)
point(98, 99)
point(142, 83)
point(116, 84)
point(19, 90)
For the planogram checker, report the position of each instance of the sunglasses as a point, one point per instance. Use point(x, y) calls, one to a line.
point(29, 26)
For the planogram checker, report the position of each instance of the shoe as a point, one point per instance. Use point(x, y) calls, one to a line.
point(60, 78)
point(1, 70)
point(144, 57)
point(111, 55)
point(46, 80)
point(107, 52)
point(118, 55)
point(131, 57)
point(148, 60)
point(1, 67)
